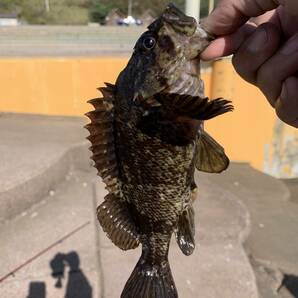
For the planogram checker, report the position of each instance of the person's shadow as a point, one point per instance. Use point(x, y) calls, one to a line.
point(291, 283)
point(77, 283)
point(37, 290)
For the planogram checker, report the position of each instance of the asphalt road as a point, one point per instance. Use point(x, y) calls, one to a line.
point(53, 41)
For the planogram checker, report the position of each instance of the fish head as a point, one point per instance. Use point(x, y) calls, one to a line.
point(161, 53)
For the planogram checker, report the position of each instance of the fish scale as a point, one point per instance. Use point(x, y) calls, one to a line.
point(147, 139)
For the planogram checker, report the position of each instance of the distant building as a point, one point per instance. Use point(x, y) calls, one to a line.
point(113, 17)
point(147, 17)
point(9, 19)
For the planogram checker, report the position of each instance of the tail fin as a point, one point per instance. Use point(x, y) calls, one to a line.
point(150, 281)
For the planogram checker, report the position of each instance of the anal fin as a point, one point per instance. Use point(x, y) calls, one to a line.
point(185, 234)
point(116, 220)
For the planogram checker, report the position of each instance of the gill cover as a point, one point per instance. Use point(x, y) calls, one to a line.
point(161, 54)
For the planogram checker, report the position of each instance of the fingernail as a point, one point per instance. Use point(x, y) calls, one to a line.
point(291, 47)
point(258, 41)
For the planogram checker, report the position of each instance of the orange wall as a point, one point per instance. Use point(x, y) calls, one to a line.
point(245, 132)
point(56, 86)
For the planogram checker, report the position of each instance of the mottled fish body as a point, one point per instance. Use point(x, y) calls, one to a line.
point(147, 139)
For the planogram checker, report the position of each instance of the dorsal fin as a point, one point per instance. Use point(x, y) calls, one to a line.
point(101, 129)
point(113, 214)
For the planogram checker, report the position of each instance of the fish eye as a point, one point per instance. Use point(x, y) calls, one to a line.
point(149, 42)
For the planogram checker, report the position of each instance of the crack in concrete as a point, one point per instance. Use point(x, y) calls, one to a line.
point(101, 282)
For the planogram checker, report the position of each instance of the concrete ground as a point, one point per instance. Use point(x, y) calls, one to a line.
point(36, 152)
point(60, 250)
point(272, 243)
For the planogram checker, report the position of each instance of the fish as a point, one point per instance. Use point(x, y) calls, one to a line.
point(147, 135)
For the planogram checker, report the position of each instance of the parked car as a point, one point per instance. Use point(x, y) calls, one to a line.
point(129, 21)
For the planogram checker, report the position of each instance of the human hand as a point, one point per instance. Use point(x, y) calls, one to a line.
point(265, 48)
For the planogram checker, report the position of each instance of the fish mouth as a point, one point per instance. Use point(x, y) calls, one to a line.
point(176, 19)
point(174, 15)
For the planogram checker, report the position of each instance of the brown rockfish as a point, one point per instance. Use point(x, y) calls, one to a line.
point(147, 139)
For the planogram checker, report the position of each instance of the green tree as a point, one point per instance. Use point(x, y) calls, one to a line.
point(10, 5)
point(139, 6)
point(33, 12)
point(62, 12)
point(99, 10)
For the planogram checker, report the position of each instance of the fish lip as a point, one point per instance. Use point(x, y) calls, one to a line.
point(172, 13)
point(180, 21)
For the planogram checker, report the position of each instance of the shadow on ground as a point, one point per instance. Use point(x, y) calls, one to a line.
point(291, 283)
point(37, 290)
point(77, 285)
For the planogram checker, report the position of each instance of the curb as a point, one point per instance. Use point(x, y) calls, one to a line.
point(22, 196)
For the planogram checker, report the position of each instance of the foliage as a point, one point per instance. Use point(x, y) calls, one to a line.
point(10, 5)
point(70, 16)
point(98, 11)
point(33, 11)
point(81, 11)
point(102, 7)
point(61, 12)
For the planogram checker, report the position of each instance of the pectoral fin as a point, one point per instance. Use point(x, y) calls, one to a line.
point(115, 219)
point(210, 157)
point(194, 107)
point(185, 234)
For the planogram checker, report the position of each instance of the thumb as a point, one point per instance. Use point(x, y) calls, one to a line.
point(229, 15)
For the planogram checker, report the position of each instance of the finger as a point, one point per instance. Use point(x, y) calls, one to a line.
point(227, 45)
point(255, 51)
point(288, 23)
point(277, 69)
point(291, 7)
point(287, 105)
point(264, 18)
point(229, 15)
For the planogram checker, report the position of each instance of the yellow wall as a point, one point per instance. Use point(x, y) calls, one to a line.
point(56, 86)
point(245, 132)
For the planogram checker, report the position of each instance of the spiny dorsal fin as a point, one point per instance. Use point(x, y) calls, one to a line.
point(194, 107)
point(210, 156)
point(113, 214)
point(101, 129)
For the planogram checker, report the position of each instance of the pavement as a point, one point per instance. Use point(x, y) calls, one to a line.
point(273, 240)
point(246, 228)
point(60, 41)
point(36, 152)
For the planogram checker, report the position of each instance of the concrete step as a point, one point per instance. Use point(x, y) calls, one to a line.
point(292, 185)
point(42, 199)
point(273, 210)
point(36, 153)
point(75, 259)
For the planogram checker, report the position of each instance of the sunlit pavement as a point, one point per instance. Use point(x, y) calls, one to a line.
point(61, 251)
point(60, 41)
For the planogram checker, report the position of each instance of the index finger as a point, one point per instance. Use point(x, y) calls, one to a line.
point(291, 7)
point(229, 15)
